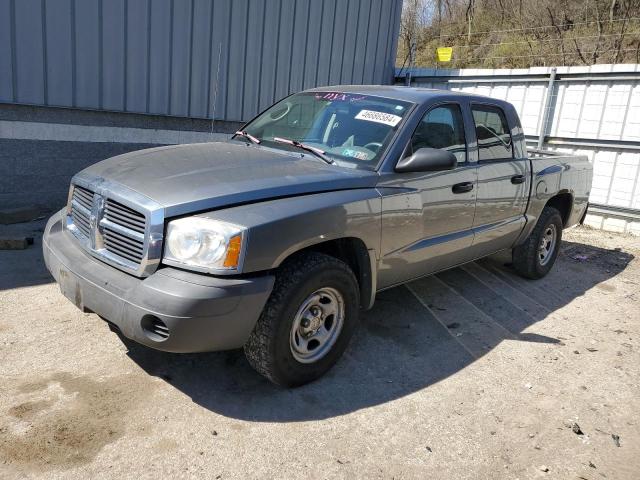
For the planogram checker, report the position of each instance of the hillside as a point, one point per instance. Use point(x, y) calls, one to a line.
point(518, 34)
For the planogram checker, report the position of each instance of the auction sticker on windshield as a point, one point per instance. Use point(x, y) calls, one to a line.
point(379, 117)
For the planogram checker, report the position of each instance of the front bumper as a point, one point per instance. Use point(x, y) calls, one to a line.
point(200, 312)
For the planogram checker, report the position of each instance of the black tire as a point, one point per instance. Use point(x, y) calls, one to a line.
point(526, 257)
point(269, 349)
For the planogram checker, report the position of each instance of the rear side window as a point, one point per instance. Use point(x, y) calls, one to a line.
point(442, 128)
point(492, 132)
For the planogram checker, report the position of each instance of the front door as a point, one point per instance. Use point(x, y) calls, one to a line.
point(503, 182)
point(427, 217)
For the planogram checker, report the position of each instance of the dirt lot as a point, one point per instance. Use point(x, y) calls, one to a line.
point(474, 373)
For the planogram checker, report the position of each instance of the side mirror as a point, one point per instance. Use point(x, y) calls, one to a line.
point(428, 160)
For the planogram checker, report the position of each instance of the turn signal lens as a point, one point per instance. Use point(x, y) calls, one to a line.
point(233, 252)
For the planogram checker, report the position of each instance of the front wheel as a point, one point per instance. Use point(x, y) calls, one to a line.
point(307, 322)
point(535, 257)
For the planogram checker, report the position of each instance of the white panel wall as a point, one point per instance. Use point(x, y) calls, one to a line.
point(632, 124)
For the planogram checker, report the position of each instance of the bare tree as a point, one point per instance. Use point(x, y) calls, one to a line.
point(521, 33)
point(619, 40)
point(469, 15)
point(559, 31)
point(413, 22)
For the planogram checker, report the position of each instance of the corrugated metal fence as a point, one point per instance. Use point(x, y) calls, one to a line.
point(593, 111)
point(161, 56)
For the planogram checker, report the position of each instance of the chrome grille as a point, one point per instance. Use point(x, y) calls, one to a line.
point(122, 245)
point(123, 231)
point(108, 228)
point(82, 222)
point(83, 196)
point(126, 217)
point(81, 205)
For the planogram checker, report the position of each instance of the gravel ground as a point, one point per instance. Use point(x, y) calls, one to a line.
point(470, 374)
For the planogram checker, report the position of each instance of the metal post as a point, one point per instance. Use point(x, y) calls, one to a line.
point(412, 53)
point(547, 108)
point(215, 91)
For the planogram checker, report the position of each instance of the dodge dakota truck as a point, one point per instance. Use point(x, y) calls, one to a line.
point(275, 240)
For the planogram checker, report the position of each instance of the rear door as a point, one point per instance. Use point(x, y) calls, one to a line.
point(503, 180)
point(427, 224)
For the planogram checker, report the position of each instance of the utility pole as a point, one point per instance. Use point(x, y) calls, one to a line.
point(412, 55)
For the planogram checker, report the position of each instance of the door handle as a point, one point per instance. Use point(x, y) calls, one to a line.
point(462, 187)
point(517, 179)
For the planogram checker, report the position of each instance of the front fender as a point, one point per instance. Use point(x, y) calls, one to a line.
point(278, 228)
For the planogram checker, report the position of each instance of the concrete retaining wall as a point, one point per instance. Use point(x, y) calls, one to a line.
point(42, 148)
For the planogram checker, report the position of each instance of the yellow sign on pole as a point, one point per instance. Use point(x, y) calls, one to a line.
point(444, 54)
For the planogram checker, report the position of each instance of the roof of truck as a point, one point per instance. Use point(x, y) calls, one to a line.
point(398, 92)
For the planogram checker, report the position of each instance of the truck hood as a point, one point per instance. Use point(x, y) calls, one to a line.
point(197, 177)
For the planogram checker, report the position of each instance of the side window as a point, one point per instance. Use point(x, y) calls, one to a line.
point(492, 131)
point(442, 127)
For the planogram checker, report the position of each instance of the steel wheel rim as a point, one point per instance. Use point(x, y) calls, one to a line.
point(547, 244)
point(317, 325)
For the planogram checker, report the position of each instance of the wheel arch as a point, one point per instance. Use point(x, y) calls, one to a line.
point(354, 252)
point(563, 202)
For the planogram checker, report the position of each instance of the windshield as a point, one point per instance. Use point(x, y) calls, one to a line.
point(346, 127)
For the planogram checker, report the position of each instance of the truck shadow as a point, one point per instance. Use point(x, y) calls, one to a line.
point(406, 343)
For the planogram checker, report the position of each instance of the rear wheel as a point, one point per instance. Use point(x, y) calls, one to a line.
point(535, 257)
point(307, 322)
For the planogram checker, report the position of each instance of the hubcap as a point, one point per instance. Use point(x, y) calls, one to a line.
point(547, 244)
point(317, 325)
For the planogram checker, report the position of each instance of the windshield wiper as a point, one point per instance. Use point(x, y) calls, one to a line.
point(245, 134)
point(308, 148)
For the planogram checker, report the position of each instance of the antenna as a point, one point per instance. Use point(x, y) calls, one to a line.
point(215, 90)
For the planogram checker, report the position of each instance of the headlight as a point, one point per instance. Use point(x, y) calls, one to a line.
point(204, 244)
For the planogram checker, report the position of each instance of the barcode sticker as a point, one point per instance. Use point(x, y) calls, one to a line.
point(379, 117)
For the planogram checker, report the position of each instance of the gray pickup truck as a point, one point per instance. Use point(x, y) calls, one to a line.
point(275, 239)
